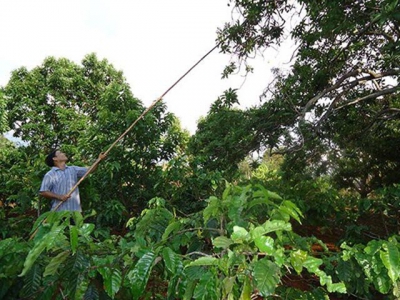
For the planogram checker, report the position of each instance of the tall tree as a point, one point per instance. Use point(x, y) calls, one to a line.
point(83, 109)
point(340, 98)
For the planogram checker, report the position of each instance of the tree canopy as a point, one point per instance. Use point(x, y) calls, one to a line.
point(339, 100)
point(83, 109)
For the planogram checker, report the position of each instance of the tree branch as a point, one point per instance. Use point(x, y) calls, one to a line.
point(371, 96)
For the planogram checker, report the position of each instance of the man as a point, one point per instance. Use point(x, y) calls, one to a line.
point(59, 181)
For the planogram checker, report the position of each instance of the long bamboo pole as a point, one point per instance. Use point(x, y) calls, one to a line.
point(93, 166)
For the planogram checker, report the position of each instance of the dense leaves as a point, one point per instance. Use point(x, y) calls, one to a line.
point(83, 109)
point(158, 221)
point(336, 108)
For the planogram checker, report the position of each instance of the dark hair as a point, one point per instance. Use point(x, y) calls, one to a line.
point(49, 158)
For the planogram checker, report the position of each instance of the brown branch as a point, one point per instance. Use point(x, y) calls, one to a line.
point(341, 83)
point(372, 96)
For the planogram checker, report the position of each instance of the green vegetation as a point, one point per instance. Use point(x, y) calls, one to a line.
point(315, 215)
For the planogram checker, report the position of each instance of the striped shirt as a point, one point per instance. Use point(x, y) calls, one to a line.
point(60, 182)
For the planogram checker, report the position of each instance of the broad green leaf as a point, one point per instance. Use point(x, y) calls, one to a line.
point(203, 261)
point(291, 209)
point(279, 256)
point(259, 201)
point(226, 191)
point(339, 287)
point(170, 228)
point(139, 276)
point(257, 232)
point(206, 288)
point(78, 218)
point(239, 234)
point(312, 264)
point(189, 290)
point(265, 244)
point(222, 242)
point(39, 246)
point(51, 268)
point(266, 275)
point(391, 259)
point(73, 236)
point(297, 259)
point(91, 293)
point(171, 260)
point(112, 281)
point(247, 289)
point(373, 247)
point(382, 283)
point(274, 196)
point(86, 229)
point(212, 208)
point(32, 282)
point(227, 286)
point(275, 225)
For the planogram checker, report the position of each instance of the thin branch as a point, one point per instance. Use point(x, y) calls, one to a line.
point(371, 96)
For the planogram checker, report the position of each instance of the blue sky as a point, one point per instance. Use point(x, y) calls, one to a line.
point(152, 42)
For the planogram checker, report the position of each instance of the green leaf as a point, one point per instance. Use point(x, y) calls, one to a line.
point(382, 283)
point(212, 208)
point(259, 201)
point(339, 287)
point(139, 276)
point(247, 289)
point(239, 234)
point(297, 259)
point(275, 225)
point(373, 247)
point(312, 264)
point(274, 196)
point(170, 228)
point(291, 209)
point(52, 267)
point(73, 236)
point(112, 282)
point(391, 259)
point(47, 240)
point(266, 275)
point(227, 286)
point(86, 229)
point(91, 293)
point(203, 261)
point(206, 288)
point(222, 242)
point(32, 282)
point(171, 260)
point(265, 244)
point(78, 218)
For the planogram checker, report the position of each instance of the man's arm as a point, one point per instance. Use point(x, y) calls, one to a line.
point(51, 195)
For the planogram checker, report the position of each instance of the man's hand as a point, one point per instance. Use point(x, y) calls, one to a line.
point(102, 156)
point(64, 197)
point(51, 195)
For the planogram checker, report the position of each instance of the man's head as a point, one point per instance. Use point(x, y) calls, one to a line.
point(54, 157)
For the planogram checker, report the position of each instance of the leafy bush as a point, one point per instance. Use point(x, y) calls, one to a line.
point(240, 246)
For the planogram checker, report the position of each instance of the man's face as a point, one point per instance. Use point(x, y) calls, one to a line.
point(60, 156)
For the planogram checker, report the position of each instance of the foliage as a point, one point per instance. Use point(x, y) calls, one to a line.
point(377, 261)
point(3, 113)
point(241, 245)
point(335, 111)
point(83, 109)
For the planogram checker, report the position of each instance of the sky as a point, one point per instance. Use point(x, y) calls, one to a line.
point(153, 42)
